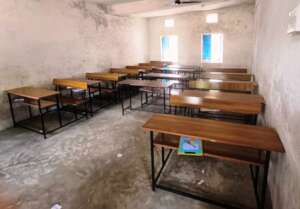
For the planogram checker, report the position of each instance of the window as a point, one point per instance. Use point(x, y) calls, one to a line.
point(212, 18)
point(169, 48)
point(212, 48)
point(169, 23)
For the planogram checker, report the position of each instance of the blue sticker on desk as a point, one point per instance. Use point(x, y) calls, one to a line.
point(188, 146)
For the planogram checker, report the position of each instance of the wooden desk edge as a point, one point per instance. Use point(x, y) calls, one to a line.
point(278, 149)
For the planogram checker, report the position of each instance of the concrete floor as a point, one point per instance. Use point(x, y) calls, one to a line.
point(104, 163)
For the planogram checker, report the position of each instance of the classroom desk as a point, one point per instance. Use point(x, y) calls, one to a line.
point(34, 98)
point(248, 144)
point(226, 76)
point(248, 104)
point(153, 84)
point(86, 85)
point(231, 86)
point(225, 70)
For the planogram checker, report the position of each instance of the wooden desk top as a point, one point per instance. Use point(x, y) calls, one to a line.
point(32, 92)
point(166, 76)
point(105, 76)
point(211, 84)
point(149, 83)
point(256, 137)
point(225, 70)
point(228, 102)
point(128, 71)
point(226, 76)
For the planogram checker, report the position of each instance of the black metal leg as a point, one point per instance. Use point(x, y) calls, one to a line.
point(152, 160)
point(30, 111)
point(164, 91)
point(142, 99)
point(162, 155)
point(130, 99)
point(90, 101)
point(265, 180)
point(42, 120)
point(58, 111)
point(122, 101)
point(11, 109)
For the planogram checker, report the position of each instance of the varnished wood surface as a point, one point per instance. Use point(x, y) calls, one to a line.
point(105, 76)
point(226, 133)
point(131, 72)
point(32, 92)
point(215, 150)
point(160, 63)
point(224, 101)
point(226, 70)
point(166, 76)
point(148, 83)
point(226, 76)
point(146, 68)
point(235, 86)
point(74, 83)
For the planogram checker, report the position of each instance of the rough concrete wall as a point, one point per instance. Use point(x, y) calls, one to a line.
point(277, 70)
point(41, 40)
point(237, 24)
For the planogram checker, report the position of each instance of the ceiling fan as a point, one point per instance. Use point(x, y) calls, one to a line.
point(180, 2)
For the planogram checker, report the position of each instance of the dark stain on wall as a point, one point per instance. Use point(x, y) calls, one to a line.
point(96, 11)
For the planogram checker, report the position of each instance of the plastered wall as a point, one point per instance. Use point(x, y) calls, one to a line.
point(236, 23)
point(42, 40)
point(277, 70)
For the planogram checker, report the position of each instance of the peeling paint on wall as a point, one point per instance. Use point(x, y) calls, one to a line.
point(42, 40)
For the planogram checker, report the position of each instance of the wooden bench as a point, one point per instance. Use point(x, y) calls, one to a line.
point(226, 70)
point(248, 144)
point(226, 76)
point(231, 86)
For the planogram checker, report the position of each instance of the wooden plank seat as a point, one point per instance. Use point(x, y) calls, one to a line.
point(214, 150)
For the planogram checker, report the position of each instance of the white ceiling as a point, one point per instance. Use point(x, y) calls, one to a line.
point(153, 8)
